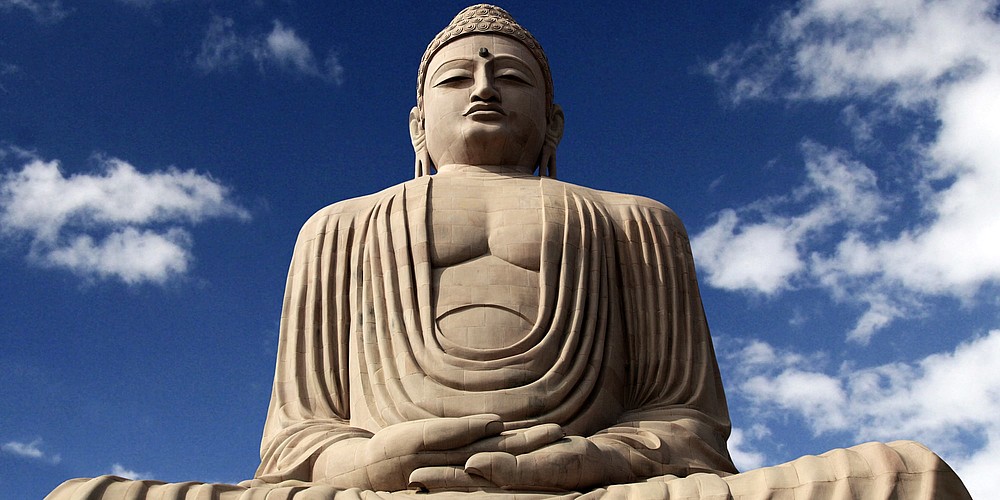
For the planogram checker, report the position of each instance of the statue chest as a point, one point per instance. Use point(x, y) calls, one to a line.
point(485, 241)
point(469, 218)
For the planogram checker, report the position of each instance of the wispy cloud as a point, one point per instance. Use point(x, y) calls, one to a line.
point(120, 471)
point(838, 191)
point(42, 11)
point(30, 450)
point(224, 49)
point(929, 67)
point(145, 4)
point(115, 223)
point(915, 400)
point(5, 70)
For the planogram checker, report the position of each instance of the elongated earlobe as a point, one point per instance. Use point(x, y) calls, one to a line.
point(553, 134)
point(422, 163)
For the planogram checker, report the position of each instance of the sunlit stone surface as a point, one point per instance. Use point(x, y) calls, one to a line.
point(491, 332)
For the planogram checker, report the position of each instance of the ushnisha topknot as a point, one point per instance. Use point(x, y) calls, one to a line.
point(484, 18)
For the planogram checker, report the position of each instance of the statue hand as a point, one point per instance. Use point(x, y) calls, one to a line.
point(386, 460)
point(514, 442)
point(573, 463)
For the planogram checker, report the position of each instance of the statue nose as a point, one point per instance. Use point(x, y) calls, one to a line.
point(484, 90)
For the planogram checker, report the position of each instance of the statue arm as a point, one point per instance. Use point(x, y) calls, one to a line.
point(678, 421)
point(309, 410)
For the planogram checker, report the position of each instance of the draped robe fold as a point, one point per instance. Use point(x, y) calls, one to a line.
point(627, 357)
point(620, 348)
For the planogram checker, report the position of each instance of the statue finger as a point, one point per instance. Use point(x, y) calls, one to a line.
point(429, 479)
point(492, 464)
point(407, 438)
point(441, 434)
point(399, 471)
point(393, 473)
point(538, 470)
point(566, 465)
point(520, 441)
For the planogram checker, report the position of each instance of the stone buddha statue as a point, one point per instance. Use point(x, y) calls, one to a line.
point(497, 327)
point(485, 330)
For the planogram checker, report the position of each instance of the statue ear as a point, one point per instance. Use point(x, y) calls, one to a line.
point(418, 137)
point(553, 134)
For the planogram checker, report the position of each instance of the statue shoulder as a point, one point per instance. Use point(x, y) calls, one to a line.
point(346, 211)
point(624, 207)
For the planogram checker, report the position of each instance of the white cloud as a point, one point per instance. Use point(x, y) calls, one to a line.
point(120, 471)
point(742, 454)
point(762, 247)
point(30, 450)
point(224, 49)
point(50, 11)
point(131, 255)
point(730, 258)
point(947, 400)
point(116, 223)
point(287, 49)
point(929, 67)
point(817, 397)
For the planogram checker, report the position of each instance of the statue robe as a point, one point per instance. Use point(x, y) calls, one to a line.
point(620, 348)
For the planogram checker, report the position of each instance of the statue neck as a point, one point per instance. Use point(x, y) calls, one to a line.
point(486, 169)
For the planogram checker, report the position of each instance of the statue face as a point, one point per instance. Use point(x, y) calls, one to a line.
point(484, 107)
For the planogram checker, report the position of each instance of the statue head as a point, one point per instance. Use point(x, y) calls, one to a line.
point(484, 96)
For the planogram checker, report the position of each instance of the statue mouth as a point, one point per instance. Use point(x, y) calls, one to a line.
point(484, 107)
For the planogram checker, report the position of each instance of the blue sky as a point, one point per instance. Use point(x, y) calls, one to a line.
point(835, 163)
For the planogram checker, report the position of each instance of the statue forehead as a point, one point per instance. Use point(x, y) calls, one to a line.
point(495, 44)
point(485, 19)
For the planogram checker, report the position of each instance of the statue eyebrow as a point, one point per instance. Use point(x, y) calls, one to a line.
point(460, 62)
point(517, 63)
point(503, 60)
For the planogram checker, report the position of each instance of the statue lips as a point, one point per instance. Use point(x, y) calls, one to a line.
point(485, 111)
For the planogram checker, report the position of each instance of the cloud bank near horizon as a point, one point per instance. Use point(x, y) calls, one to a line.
point(886, 402)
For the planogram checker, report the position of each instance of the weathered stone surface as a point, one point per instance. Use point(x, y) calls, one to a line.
point(485, 331)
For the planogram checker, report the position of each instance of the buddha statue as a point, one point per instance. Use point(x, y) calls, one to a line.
point(483, 330)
